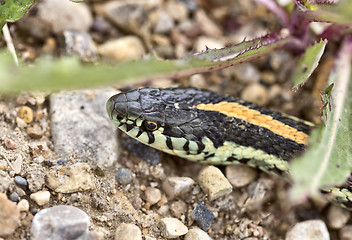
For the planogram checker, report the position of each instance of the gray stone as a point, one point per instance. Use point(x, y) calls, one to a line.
point(81, 128)
point(177, 186)
point(246, 73)
point(164, 23)
point(128, 231)
point(14, 197)
point(9, 216)
point(124, 176)
point(172, 227)
point(80, 43)
point(68, 179)
point(308, 230)
point(56, 16)
point(202, 215)
point(20, 181)
point(60, 223)
point(213, 182)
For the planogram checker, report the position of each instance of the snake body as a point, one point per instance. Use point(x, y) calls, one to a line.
point(203, 126)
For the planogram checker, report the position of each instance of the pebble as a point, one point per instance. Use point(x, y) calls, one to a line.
point(129, 17)
point(213, 182)
point(203, 43)
point(208, 27)
point(178, 208)
point(80, 43)
point(128, 231)
point(177, 10)
point(20, 181)
point(10, 144)
point(240, 175)
point(308, 230)
point(68, 179)
point(172, 228)
point(197, 234)
point(41, 197)
point(26, 113)
point(256, 93)
point(202, 215)
point(259, 192)
point(23, 205)
point(164, 23)
point(345, 233)
point(246, 73)
point(60, 222)
point(75, 135)
point(177, 186)
point(35, 131)
point(9, 216)
point(124, 176)
point(14, 197)
point(122, 49)
point(337, 217)
point(56, 16)
point(152, 195)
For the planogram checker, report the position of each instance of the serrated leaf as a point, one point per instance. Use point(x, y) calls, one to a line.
point(69, 73)
point(308, 63)
point(328, 161)
point(340, 12)
point(12, 10)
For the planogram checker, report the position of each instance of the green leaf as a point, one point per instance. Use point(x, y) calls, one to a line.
point(308, 63)
point(334, 13)
point(69, 73)
point(328, 160)
point(12, 10)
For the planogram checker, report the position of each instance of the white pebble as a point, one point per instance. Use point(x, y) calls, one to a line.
point(240, 175)
point(152, 195)
point(128, 231)
point(41, 197)
point(308, 230)
point(337, 217)
point(23, 205)
point(172, 227)
point(197, 234)
point(176, 186)
point(214, 183)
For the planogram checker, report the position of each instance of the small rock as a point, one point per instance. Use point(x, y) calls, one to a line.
point(164, 23)
point(68, 179)
point(308, 230)
point(202, 215)
point(10, 144)
point(345, 233)
point(80, 43)
point(41, 197)
point(14, 197)
point(56, 16)
point(337, 217)
point(203, 43)
point(259, 192)
point(197, 234)
point(26, 113)
point(122, 49)
point(256, 93)
point(246, 73)
point(23, 205)
point(9, 216)
point(197, 81)
point(128, 231)
point(20, 181)
point(240, 175)
point(152, 195)
point(172, 227)
point(124, 176)
point(59, 222)
point(177, 10)
point(35, 131)
point(177, 186)
point(178, 208)
point(207, 25)
point(268, 77)
point(214, 183)
point(76, 135)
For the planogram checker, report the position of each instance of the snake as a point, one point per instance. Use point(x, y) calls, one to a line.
point(203, 126)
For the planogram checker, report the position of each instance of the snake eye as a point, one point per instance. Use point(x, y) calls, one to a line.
point(150, 125)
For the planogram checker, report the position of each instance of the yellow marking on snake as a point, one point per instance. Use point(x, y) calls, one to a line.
point(233, 109)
